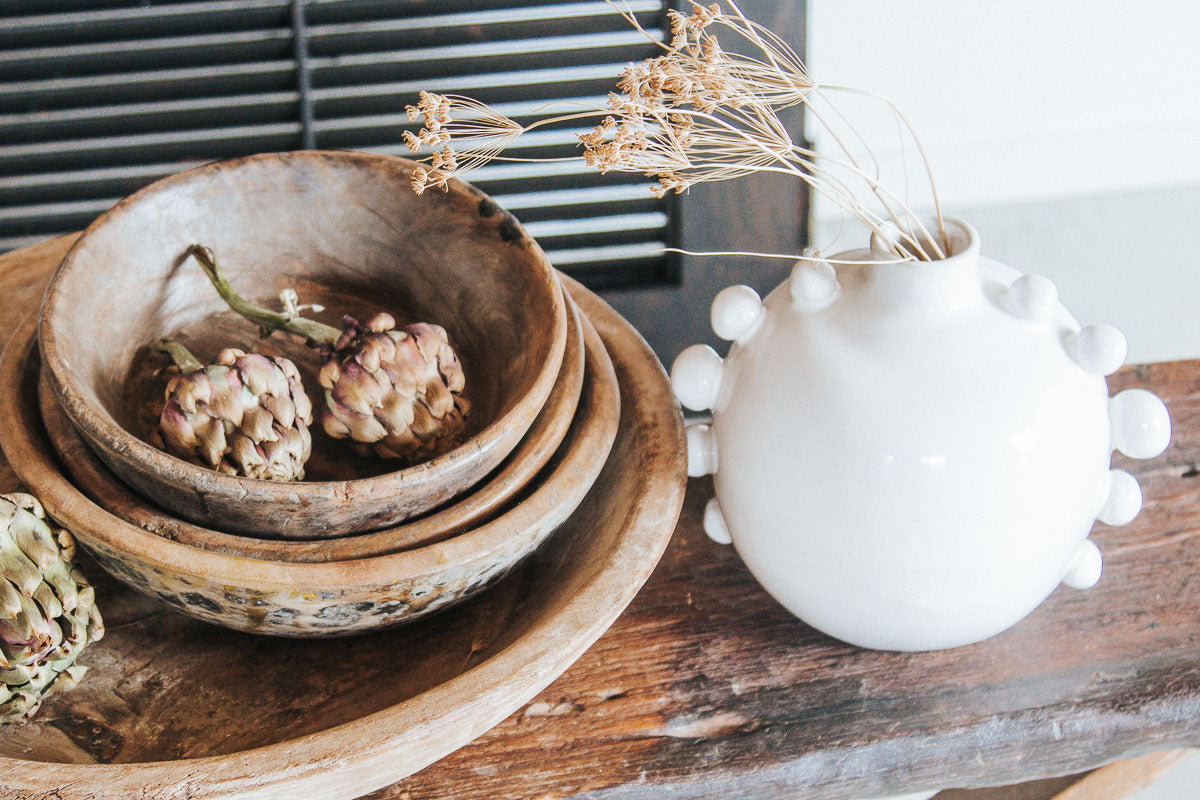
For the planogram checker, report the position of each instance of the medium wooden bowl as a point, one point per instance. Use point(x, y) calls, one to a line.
point(346, 231)
point(174, 708)
point(307, 599)
point(89, 474)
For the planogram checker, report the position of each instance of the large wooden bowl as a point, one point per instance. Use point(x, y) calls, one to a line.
point(173, 708)
point(333, 598)
point(346, 231)
point(89, 474)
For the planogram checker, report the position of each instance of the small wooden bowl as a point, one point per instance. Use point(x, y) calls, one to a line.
point(306, 599)
point(346, 231)
point(89, 474)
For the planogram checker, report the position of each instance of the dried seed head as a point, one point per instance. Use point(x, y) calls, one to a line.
point(394, 392)
point(246, 414)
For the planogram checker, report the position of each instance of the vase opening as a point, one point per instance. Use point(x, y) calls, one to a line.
point(959, 238)
point(948, 283)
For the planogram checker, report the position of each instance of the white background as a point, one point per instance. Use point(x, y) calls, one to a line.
point(1067, 131)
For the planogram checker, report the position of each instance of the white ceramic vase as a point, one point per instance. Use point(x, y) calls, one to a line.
point(911, 456)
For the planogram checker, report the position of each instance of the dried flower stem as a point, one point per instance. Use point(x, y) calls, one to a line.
point(695, 114)
point(316, 333)
point(180, 355)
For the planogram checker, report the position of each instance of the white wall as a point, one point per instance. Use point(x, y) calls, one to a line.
point(1068, 131)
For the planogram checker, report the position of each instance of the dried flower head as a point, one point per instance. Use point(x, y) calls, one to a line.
point(696, 113)
point(479, 133)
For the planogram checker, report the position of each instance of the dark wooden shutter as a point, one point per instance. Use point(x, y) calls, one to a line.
point(101, 97)
point(96, 103)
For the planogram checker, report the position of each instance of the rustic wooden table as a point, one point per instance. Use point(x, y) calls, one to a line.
point(707, 688)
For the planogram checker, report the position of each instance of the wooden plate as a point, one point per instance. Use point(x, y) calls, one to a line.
point(182, 709)
point(90, 474)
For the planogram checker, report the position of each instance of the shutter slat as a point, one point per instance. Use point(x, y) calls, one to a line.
point(448, 29)
point(584, 255)
point(95, 58)
point(67, 92)
point(602, 194)
point(266, 76)
point(549, 51)
point(47, 187)
point(98, 25)
point(489, 32)
point(154, 116)
point(274, 106)
point(617, 223)
point(159, 146)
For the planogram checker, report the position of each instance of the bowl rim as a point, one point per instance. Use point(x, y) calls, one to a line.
point(97, 425)
point(31, 454)
point(591, 353)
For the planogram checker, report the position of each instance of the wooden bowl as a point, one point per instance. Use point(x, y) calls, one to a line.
point(174, 708)
point(346, 231)
point(308, 599)
point(89, 474)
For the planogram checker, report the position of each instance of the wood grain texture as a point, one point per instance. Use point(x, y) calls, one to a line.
point(1117, 781)
point(1126, 778)
point(177, 709)
point(344, 230)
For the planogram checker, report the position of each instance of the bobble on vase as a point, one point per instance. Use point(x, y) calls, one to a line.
point(1033, 297)
point(813, 285)
point(696, 377)
point(736, 313)
point(1086, 567)
point(1140, 424)
point(701, 450)
point(1124, 499)
point(714, 523)
point(1098, 349)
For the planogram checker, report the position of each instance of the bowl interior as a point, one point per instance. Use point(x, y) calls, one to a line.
point(345, 231)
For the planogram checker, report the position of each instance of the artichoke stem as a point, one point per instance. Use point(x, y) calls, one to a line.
point(316, 333)
point(182, 357)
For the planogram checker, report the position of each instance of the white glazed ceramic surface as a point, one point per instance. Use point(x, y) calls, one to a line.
point(911, 456)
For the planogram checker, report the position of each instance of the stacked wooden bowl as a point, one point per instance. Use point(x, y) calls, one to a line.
point(359, 544)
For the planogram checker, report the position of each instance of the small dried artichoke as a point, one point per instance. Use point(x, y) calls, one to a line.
point(48, 611)
point(394, 391)
point(246, 414)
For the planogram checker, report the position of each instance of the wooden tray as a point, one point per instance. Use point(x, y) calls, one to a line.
point(174, 708)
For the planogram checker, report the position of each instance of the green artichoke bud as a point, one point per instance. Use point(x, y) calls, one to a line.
point(48, 611)
point(394, 391)
point(246, 414)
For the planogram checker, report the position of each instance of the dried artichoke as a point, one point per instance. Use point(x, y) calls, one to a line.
point(48, 611)
point(245, 414)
